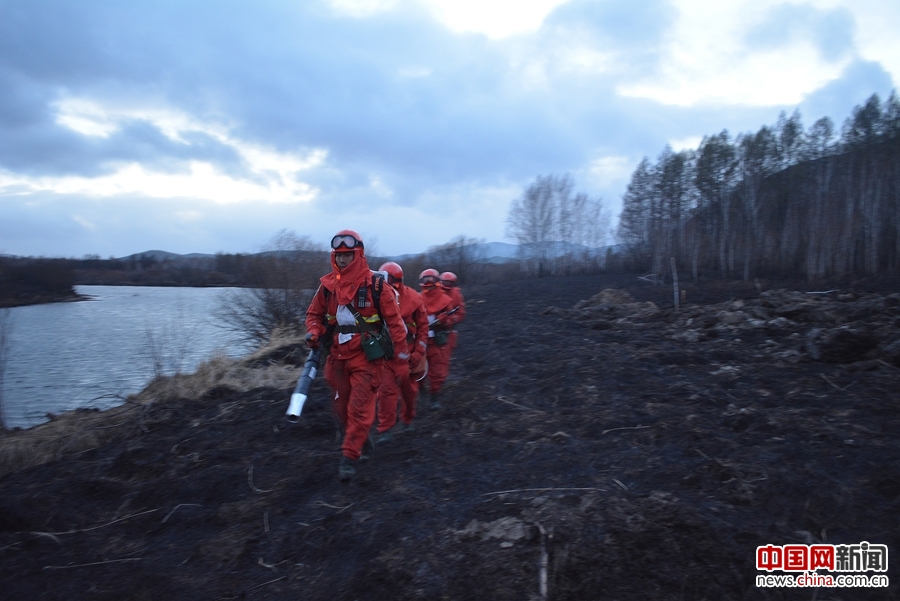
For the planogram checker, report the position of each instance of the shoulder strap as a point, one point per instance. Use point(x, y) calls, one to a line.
point(377, 286)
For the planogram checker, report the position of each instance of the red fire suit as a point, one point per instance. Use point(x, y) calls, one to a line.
point(458, 301)
point(397, 385)
point(437, 305)
point(353, 378)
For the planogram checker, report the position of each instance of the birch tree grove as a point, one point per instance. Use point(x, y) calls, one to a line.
point(781, 201)
point(558, 232)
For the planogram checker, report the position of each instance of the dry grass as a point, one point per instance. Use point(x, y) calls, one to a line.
point(218, 372)
point(82, 430)
point(68, 434)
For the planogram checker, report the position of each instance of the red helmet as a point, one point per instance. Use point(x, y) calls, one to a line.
point(348, 239)
point(395, 273)
point(429, 277)
point(448, 279)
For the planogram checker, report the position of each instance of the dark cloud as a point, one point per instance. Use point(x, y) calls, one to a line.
point(22, 103)
point(143, 142)
point(396, 91)
point(628, 25)
point(38, 146)
point(837, 98)
point(831, 30)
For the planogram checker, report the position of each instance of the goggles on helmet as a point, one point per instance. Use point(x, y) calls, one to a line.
point(429, 280)
point(345, 240)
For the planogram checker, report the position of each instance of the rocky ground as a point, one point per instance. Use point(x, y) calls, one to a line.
point(594, 443)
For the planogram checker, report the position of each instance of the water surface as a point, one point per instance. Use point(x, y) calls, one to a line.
point(93, 353)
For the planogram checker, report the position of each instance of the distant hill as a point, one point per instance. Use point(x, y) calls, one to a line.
point(161, 255)
point(486, 252)
point(502, 252)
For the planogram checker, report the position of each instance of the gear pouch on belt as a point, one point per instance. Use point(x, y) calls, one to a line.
point(441, 337)
point(376, 346)
point(371, 345)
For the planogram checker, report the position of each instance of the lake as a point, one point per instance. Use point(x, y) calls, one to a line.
point(94, 353)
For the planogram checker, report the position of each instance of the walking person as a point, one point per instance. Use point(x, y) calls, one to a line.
point(438, 306)
point(451, 285)
point(362, 315)
point(400, 387)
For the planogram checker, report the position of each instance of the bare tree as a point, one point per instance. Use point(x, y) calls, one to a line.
point(167, 344)
point(584, 223)
point(463, 256)
point(552, 227)
point(716, 169)
point(283, 279)
point(634, 222)
point(674, 196)
point(818, 141)
point(532, 218)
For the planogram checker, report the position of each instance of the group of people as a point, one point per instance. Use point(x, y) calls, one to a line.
point(385, 338)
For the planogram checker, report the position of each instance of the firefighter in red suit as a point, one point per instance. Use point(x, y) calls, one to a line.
point(345, 304)
point(451, 285)
point(438, 305)
point(401, 378)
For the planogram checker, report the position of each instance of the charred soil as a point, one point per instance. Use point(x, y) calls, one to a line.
point(591, 445)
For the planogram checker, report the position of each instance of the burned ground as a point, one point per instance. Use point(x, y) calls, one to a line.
point(600, 442)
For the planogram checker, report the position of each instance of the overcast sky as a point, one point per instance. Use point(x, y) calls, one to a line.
point(206, 126)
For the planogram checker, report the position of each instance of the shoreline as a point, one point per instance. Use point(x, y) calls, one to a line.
point(83, 428)
point(10, 303)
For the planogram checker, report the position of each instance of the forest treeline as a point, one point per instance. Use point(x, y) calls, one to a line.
point(784, 201)
point(290, 264)
point(27, 281)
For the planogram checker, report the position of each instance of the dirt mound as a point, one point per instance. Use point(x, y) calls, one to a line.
point(643, 459)
point(606, 306)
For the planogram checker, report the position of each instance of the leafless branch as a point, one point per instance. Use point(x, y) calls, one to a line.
point(95, 563)
point(503, 492)
point(638, 427)
point(250, 482)
point(168, 515)
point(324, 504)
point(127, 517)
point(265, 583)
point(504, 400)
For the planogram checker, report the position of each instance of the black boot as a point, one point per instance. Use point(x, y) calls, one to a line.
point(435, 402)
point(346, 469)
point(368, 450)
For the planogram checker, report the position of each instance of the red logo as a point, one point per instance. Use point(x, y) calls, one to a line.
point(821, 556)
point(796, 558)
point(769, 558)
